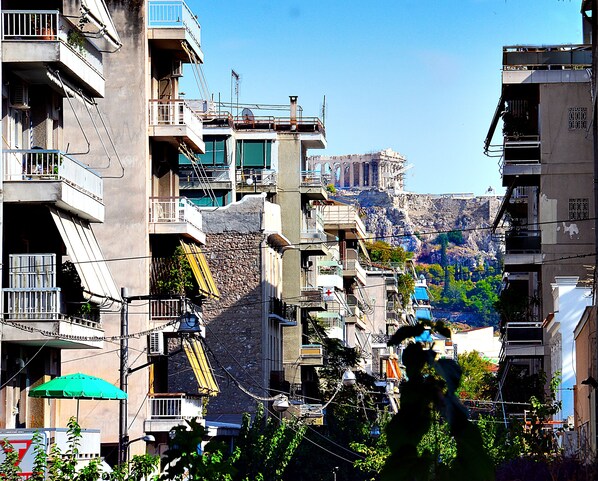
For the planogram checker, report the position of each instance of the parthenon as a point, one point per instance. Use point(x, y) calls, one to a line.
point(383, 170)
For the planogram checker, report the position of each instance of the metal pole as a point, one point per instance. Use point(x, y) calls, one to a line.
point(123, 433)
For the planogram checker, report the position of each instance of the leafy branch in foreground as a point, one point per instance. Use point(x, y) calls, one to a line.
point(430, 389)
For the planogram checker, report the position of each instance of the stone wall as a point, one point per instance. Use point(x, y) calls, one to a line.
point(234, 322)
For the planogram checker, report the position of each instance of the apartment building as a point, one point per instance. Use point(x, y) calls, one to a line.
point(547, 169)
point(148, 226)
point(57, 291)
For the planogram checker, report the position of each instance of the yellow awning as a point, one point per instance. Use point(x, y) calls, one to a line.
point(201, 270)
point(201, 367)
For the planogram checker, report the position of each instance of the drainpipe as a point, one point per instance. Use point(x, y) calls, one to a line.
point(293, 99)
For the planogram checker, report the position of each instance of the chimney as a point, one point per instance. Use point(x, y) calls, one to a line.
point(293, 99)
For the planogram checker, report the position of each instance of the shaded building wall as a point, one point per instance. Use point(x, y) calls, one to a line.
point(125, 233)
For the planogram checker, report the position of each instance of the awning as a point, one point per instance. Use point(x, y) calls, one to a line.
point(503, 206)
point(421, 294)
point(201, 270)
point(393, 371)
point(201, 367)
point(497, 115)
point(422, 313)
point(84, 251)
point(99, 15)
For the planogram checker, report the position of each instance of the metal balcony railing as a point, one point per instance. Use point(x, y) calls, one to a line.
point(524, 333)
point(174, 209)
point(174, 112)
point(174, 406)
point(174, 14)
point(283, 310)
point(33, 304)
point(256, 177)
point(51, 165)
point(314, 178)
point(48, 26)
point(531, 57)
point(522, 241)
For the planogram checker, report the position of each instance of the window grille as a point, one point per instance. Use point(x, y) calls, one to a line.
point(579, 209)
point(578, 118)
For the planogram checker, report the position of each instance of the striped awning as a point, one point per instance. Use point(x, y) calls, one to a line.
point(201, 270)
point(201, 366)
point(393, 371)
point(84, 251)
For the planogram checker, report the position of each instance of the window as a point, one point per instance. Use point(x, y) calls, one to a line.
point(255, 154)
point(215, 151)
point(579, 209)
point(578, 118)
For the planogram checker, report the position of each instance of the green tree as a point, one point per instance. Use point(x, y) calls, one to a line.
point(476, 376)
point(381, 252)
point(266, 446)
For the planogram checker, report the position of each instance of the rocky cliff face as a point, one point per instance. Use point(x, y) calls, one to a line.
point(413, 221)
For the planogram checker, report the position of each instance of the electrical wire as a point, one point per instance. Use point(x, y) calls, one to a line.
point(24, 365)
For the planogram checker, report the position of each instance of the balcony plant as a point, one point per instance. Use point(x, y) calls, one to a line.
point(173, 275)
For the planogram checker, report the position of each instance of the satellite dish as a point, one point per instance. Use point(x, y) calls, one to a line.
point(247, 115)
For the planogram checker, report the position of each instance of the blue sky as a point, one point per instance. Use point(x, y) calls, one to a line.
point(422, 78)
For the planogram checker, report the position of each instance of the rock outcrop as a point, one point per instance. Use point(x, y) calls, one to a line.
point(413, 221)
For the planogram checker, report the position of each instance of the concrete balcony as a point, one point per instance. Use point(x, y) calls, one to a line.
point(217, 178)
point(312, 299)
point(329, 274)
point(176, 215)
point(170, 23)
point(41, 310)
point(52, 177)
point(312, 355)
point(312, 237)
point(255, 181)
point(352, 268)
point(344, 217)
point(523, 251)
point(313, 185)
point(168, 410)
point(35, 41)
point(284, 313)
point(333, 322)
point(173, 121)
point(355, 315)
point(523, 339)
point(521, 164)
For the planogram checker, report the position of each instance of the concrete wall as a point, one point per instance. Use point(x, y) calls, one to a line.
point(124, 235)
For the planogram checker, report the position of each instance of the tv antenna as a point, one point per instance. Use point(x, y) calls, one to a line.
point(234, 78)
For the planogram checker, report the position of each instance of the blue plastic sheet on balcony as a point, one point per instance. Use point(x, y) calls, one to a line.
point(423, 314)
point(421, 294)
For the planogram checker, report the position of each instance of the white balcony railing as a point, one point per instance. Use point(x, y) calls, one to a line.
point(351, 266)
point(174, 14)
point(174, 209)
point(33, 304)
point(174, 112)
point(48, 26)
point(51, 165)
point(174, 406)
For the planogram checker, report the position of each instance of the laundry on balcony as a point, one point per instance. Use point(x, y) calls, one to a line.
point(201, 270)
point(84, 251)
point(201, 367)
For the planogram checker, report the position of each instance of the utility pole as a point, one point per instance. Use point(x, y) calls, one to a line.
point(123, 430)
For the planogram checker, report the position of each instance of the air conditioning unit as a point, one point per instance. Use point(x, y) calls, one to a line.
point(177, 68)
point(19, 96)
point(155, 344)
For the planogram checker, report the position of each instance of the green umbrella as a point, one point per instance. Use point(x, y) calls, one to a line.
point(77, 386)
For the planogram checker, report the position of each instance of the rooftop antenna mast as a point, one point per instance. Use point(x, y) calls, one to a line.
point(324, 111)
point(234, 76)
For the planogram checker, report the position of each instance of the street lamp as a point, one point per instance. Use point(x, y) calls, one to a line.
point(281, 403)
point(349, 378)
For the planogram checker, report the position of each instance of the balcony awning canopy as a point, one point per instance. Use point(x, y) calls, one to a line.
point(201, 367)
point(393, 371)
point(421, 294)
point(84, 251)
point(424, 314)
point(98, 14)
point(201, 270)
